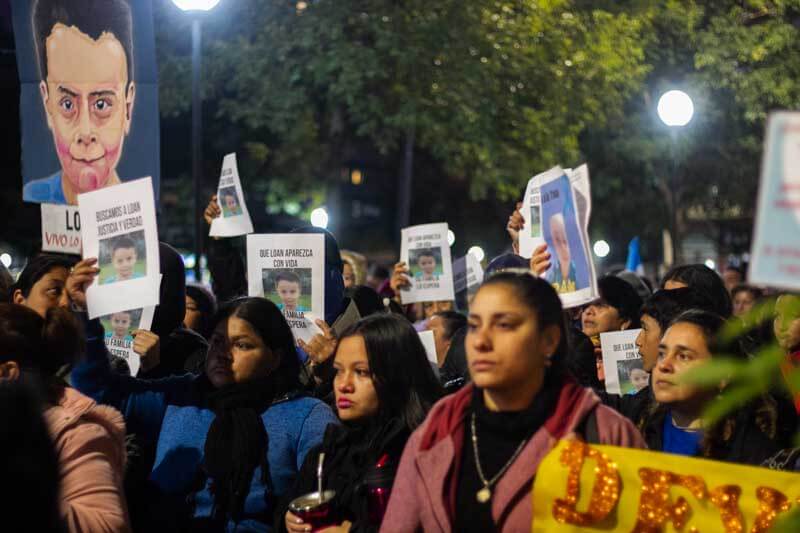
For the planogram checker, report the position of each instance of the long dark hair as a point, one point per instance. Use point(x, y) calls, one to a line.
point(403, 376)
point(269, 323)
point(541, 298)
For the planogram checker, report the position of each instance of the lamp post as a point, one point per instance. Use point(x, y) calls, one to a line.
point(196, 8)
point(675, 109)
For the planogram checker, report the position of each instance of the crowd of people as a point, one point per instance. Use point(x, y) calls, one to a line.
point(230, 425)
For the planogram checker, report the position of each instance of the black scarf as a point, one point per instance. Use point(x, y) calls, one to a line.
point(237, 443)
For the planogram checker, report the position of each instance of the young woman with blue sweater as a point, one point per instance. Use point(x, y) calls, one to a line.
point(228, 443)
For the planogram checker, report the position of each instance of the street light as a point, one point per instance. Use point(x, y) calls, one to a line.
point(451, 237)
point(319, 218)
point(478, 252)
point(675, 109)
point(601, 248)
point(195, 7)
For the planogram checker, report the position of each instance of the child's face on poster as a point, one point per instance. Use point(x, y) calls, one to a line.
point(427, 263)
point(230, 202)
point(124, 260)
point(558, 233)
point(639, 378)
point(288, 292)
point(120, 322)
point(88, 102)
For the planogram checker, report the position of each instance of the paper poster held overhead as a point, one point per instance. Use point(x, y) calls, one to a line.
point(426, 252)
point(289, 270)
point(118, 227)
point(119, 327)
point(235, 218)
point(775, 255)
point(622, 362)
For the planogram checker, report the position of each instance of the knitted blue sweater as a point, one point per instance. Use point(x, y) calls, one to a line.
point(167, 413)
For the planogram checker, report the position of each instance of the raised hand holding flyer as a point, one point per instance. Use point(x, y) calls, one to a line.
point(426, 252)
point(118, 227)
point(775, 255)
point(235, 218)
point(119, 327)
point(622, 362)
point(289, 270)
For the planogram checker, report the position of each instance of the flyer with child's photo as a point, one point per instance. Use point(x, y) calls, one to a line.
point(622, 362)
point(119, 327)
point(424, 249)
point(235, 218)
point(289, 270)
point(118, 227)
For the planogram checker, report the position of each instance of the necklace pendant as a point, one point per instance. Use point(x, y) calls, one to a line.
point(484, 495)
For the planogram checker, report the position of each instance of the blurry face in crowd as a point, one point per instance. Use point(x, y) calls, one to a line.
point(683, 348)
point(120, 322)
point(787, 322)
point(674, 284)
point(647, 342)
point(431, 308)
point(289, 293)
point(599, 317)
point(193, 315)
point(124, 260)
point(88, 103)
point(436, 325)
point(46, 293)
point(348, 275)
point(427, 263)
point(356, 398)
point(506, 351)
point(731, 278)
point(639, 378)
point(558, 232)
point(743, 302)
point(237, 354)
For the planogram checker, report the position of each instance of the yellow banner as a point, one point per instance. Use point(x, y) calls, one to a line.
point(582, 487)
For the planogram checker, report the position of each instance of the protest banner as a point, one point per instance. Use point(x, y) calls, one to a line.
point(425, 250)
point(88, 97)
point(119, 327)
point(61, 229)
point(429, 343)
point(467, 277)
point(775, 253)
point(582, 487)
point(235, 218)
point(622, 362)
point(289, 270)
point(118, 227)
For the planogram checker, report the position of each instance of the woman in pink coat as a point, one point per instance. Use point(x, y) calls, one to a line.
point(471, 465)
point(89, 439)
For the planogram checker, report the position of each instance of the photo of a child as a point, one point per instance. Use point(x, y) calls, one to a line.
point(289, 289)
point(229, 202)
point(119, 325)
point(425, 264)
point(122, 258)
point(536, 221)
point(632, 377)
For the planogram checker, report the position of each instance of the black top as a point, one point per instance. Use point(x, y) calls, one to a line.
point(634, 407)
point(352, 453)
point(499, 436)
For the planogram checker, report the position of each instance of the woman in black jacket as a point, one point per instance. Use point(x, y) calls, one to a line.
point(384, 387)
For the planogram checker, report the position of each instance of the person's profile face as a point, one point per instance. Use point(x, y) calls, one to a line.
point(47, 293)
point(288, 292)
point(743, 302)
point(648, 340)
point(639, 378)
point(120, 322)
point(88, 102)
point(124, 260)
point(427, 263)
point(559, 235)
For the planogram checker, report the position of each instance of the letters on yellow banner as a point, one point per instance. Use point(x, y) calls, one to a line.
point(581, 487)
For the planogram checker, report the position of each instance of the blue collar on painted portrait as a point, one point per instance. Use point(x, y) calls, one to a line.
point(45, 190)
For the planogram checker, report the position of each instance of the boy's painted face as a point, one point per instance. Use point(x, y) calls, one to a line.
point(639, 378)
point(427, 263)
point(88, 101)
point(124, 260)
point(559, 234)
point(120, 322)
point(289, 292)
